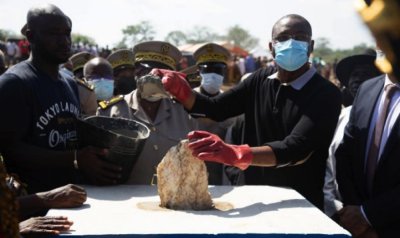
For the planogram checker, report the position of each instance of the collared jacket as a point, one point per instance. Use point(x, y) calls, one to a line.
point(382, 205)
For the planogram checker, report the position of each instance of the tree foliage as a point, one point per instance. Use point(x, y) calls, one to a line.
point(176, 38)
point(201, 34)
point(5, 34)
point(141, 32)
point(323, 50)
point(121, 45)
point(80, 38)
point(241, 37)
point(144, 31)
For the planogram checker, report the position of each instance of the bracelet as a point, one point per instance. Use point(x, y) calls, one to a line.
point(76, 159)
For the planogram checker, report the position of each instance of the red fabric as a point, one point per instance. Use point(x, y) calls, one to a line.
point(175, 83)
point(24, 47)
point(209, 147)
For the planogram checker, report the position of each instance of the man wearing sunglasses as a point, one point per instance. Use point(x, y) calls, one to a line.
point(290, 116)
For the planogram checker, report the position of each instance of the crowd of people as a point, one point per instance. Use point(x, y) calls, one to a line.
point(15, 50)
point(282, 124)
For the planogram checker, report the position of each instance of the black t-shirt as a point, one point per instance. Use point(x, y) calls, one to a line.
point(294, 123)
point(39, 111)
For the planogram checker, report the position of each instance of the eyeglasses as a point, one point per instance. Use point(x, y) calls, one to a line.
point(285, 37)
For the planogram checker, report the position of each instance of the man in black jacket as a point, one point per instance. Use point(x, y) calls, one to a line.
point(290, 116)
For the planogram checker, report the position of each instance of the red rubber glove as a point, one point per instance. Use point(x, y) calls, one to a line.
point(175, 83)
point(209, 147)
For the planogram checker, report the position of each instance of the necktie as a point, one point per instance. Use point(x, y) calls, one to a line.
point(372, 159)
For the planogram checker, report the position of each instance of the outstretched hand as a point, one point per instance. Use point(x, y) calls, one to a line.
point(209, 147)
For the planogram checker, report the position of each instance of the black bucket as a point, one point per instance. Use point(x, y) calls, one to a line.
point(123, 137)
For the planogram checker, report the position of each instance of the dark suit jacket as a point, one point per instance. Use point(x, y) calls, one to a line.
point(382, 207)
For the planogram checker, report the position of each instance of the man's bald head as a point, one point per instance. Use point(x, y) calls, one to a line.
point(97, 68)
point(292, 23)
point(49, 34)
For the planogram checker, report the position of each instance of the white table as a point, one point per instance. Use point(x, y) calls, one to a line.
point(257, 211)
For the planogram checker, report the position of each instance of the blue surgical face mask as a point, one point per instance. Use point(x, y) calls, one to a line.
point(211, 82)
point(103, 88)
point(290, 55)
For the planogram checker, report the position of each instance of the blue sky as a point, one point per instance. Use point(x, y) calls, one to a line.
point(104, 19)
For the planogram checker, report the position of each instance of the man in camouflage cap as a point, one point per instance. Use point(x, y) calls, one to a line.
point(150, 104)
point(123, 64)
point(87, 97)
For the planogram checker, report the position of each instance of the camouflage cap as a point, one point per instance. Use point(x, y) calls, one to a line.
point(121, 57)
point(211, 52)
point(158, 51)
point(80, 59)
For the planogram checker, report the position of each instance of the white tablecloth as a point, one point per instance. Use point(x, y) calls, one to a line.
point(257, 211)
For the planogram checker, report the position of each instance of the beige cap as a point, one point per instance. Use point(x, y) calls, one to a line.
point(211, 52)
point(158, 51)
point(121, 57)
point(79, 60)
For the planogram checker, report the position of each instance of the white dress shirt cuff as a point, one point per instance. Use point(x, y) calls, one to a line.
point(365, 216)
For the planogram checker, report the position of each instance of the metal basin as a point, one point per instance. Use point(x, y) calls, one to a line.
point(123, 137)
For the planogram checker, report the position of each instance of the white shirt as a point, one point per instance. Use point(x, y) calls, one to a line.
point(298, 83)
point(332, 199)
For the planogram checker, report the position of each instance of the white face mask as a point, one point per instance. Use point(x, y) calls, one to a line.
point(153, 98)
point(211, 82)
